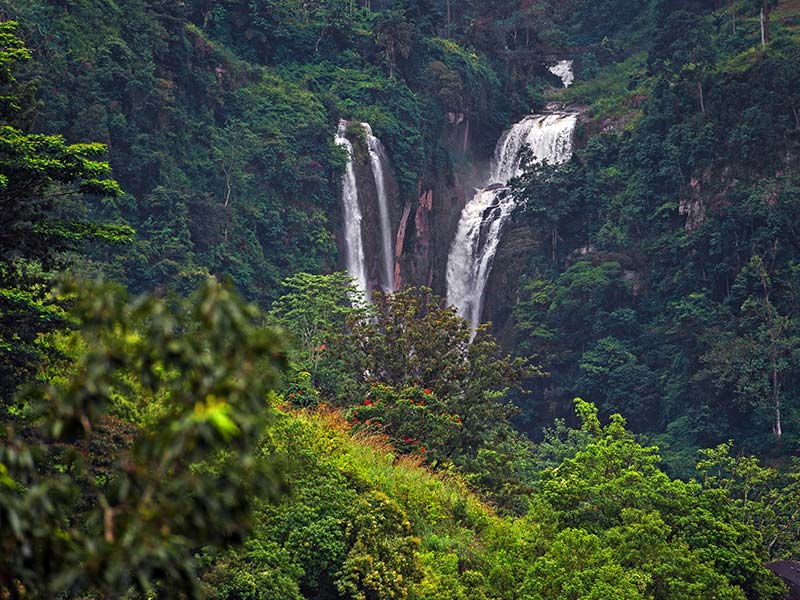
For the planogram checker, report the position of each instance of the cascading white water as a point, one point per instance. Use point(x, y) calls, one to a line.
point(354, 243)
point(563, 70)
point(472, 253)
point(377, 157)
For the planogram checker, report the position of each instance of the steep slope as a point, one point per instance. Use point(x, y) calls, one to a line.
point(656, 271)
point(220, 118)
point(362, 522)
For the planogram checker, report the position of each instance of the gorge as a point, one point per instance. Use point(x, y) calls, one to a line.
point(400, 299)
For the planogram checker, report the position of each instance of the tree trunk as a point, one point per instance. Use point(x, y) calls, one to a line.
point(449, 20)
point(702, 101)
point(775, 331)
point(767, 11)
point(228, 182)
point(763, 30)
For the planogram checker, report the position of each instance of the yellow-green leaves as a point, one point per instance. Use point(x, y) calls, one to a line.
point(217, 412)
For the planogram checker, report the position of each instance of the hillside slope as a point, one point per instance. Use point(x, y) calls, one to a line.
point(361, 522)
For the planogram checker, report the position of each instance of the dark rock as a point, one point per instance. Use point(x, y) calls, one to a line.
point(789, 571)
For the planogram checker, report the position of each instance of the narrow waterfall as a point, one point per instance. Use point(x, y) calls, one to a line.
point(472, 252)
point(563, 70)
point(377, 157)
point(354, 243)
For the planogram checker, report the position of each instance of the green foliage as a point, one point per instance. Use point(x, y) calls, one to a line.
point(764, 497)
point(12, 51)
point(315, 310)
point(381, 562)
point(186, 479)
point(664, 286)
point(605, 522)
point(261, 570)
point(385, 361)
point(615, 91)
point(577, 565)
point(688, 182)
point(414, 343)
point(668, 538)
point(43, 185)
point(415, 420)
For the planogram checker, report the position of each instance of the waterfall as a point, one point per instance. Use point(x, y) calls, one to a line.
point(563, 70)
point(377, 157)
point(354, 243)
point(472, 252)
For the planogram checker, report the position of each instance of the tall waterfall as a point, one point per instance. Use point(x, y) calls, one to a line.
point(354, 243)
point(472, 253)
point(377, 157)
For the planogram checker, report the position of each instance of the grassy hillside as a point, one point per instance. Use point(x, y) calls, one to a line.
point(363, 521)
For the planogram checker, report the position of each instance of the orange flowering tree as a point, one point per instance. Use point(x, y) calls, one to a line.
point(415, 419)
point(414, 347)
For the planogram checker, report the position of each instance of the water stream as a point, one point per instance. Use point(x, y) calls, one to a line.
point(353, 240)
point(474, 247)
point(378, 158)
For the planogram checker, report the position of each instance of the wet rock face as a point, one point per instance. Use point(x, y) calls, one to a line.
point(425, 225)
point(370, 225)
point(425, 230)
point(502, 289)
point(457, 135)
point(427, 222)
point(789, 571)
point(407, 241)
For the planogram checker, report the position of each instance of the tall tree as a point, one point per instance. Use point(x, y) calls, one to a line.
point(43, 184)
point(315, 310)
point(764, 8)
point(393, 39)
point(415, 341)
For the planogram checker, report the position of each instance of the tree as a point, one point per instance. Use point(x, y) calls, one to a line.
point(682, 53)
point(393, 38)
point(755, 356)
point(234, 147)
point(416, 350)
point(611, 371)
point(315, 310)
point(765, 10)
point(382, 562)
point(415, 420)
point(765, 497)
point(188, 476)
point(415, 340)
point(675, 539)
point(43, 184)
point(549, 197)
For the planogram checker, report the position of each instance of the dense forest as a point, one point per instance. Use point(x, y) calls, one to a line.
point(400, 299)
